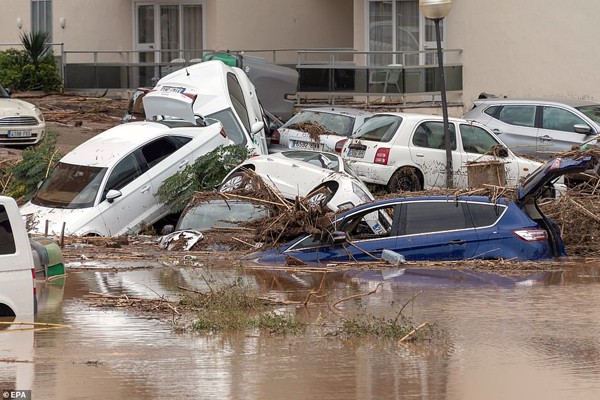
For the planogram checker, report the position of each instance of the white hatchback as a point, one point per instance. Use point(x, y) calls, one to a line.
point(320, 128)
point(21, 123)
point(107, 186)
point(406, 152)
point(322, 177)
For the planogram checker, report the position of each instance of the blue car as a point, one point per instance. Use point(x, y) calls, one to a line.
point(439, 227)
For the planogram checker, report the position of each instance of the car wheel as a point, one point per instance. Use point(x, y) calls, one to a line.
point(236, 181)
point(404, 180)
point(319, 197)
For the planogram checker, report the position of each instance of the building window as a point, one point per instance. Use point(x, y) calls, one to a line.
point(398, 26)
point(41, 17)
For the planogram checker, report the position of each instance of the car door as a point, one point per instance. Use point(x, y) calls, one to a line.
point(428, 152)
point(436, 229)
point(557, 131)
point(366, 234)
point(515, 126)
point(278, 170)
point(125, 212)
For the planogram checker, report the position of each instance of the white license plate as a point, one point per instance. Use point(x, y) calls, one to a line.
point(19, 134)
point(296, 144)
point(356, 153)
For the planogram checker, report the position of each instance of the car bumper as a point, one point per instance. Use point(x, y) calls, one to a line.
point(372, 173)
point(26, 135)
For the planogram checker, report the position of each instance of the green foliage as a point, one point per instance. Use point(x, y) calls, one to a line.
point(278, 324)
point(31, 69)
point(36, 46)
point(204, 174)
point(33, 168)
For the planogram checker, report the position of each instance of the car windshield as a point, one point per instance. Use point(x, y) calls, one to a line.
point(230, 125)
point(3, 92)
point(337, 124)
point(323, 160)
point(592, 112)
point(380, 128)
point(70, 186)
point(220, 213)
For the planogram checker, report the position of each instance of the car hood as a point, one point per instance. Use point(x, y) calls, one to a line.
point(163, 102)
point(75, 220)
point(548, 172)
point(16, 107)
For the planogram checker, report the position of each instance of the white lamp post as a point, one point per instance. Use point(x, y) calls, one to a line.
point(436, 10)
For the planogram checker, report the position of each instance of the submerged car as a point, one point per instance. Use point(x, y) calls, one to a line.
point(330, 127)
point(439, 227)
point(21, 123)
point(538, 128)
point(322, 177)
point(107, 185)
point(406, 152)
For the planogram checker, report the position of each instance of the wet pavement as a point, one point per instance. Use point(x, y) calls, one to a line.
point(506, 337)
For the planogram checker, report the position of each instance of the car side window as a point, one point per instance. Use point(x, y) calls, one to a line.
point(230, 125)
point(430, 134)
point(485, 214)
point(434, 216)
point(518, 115)
point(237, 99)
point(492, 111)
point(559, 119)
point(124, 172)
point(476, 139)
point(375, 224)
point(7, 240)
point(157, 150)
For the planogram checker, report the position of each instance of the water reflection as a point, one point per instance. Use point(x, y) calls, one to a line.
point(518, 336)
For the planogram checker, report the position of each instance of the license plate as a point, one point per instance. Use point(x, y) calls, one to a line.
point(19, 134)
point(296, 144)
point(356, 153)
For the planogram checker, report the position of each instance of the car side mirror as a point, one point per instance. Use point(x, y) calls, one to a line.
point(582, 128)
point(112, 195)
point(501, 152)
point(9, 91)
point(339, 237)
point(257, 127)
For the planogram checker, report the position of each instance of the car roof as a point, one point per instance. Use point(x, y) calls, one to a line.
point(549, 101)
point(354, 112)
point(418, 117)
point(476, 199)
point(111, 145)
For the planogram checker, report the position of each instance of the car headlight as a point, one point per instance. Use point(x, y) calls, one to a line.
point(360, 193)
point(39, 114)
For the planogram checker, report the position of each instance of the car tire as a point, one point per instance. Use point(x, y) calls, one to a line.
point(237, 181)
point(319, 197)
point(405, 179)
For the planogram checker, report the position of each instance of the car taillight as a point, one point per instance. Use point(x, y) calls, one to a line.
point(339, 145)
point(532, 235)
point(223, 133)
point(382, 156)
point(275, 137)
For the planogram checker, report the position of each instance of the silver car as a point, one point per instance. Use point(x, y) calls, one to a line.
point(538, 128)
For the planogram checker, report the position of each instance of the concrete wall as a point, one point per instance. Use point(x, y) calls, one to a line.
point(533, 48)
point(9, 32)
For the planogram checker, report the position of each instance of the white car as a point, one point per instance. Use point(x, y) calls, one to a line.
point(221, 92)
point(304, 173)
point(107, 186)
point(334, 124)
point(406, 152)
point(21, 123)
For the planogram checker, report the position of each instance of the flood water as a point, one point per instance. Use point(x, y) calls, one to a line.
point(506, 337)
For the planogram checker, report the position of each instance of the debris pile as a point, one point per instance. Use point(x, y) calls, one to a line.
point(314, 130)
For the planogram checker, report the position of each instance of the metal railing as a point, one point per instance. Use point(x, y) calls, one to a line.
point(330, 73)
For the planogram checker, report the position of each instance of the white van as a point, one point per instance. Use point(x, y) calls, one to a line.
point(17, 271)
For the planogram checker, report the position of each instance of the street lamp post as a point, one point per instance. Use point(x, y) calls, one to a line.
point(437, 10)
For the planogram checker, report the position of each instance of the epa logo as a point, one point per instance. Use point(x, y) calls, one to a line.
point(16, 394)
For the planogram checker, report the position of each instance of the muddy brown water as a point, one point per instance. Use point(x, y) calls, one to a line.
point(506, 337)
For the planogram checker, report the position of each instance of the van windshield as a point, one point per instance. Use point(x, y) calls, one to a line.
point(70, 186)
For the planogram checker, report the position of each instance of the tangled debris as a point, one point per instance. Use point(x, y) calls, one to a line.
point(314, 130)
